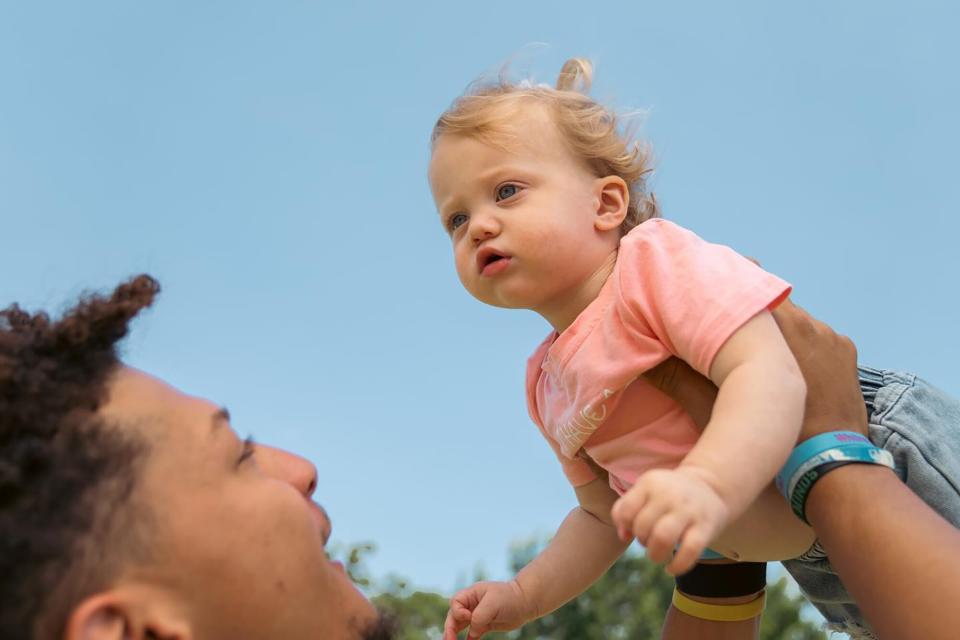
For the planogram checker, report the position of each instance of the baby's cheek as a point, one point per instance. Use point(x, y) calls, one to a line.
point(466, 275)
point(461, 262)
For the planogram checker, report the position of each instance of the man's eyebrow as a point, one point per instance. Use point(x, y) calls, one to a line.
point(219, 418)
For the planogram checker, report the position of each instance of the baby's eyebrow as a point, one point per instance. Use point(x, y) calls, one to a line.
point(447, 206)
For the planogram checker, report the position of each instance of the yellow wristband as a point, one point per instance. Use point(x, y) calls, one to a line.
point(719, 612)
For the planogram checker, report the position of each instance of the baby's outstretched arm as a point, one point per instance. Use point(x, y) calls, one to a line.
point(583, 548)
point(754, 425)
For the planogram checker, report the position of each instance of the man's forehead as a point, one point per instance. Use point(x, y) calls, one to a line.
point(182, 430)
point(137, 394)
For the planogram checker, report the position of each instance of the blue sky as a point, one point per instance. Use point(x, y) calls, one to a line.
point(266, 161)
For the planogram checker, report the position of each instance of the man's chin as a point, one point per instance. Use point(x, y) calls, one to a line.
point(383, 627)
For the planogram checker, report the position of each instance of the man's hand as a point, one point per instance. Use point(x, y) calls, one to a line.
point(670, 507)
point(828, 362)
point(486, 607)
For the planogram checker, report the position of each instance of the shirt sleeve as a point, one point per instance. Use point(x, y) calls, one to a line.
point(691, 294)
point(577, 471)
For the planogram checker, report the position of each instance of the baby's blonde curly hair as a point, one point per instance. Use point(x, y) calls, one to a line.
point(588, 128)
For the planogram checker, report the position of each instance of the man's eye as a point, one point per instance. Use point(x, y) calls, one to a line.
point(249, 450)
point(456, 220)
point(505, 191)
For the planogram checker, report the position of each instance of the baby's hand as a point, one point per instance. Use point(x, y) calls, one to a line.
point(486, 607)
point(670, 507)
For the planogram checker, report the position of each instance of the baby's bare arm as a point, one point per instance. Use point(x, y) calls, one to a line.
point(756, 417)
point(585, 546)
point(754, 424)
point(583, 549)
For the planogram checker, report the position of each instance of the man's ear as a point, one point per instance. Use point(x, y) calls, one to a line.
point(612, 197)
point(126, 614)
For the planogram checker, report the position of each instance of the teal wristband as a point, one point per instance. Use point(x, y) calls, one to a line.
point(811, 471)
point(812, 447)
point(853, 452)
point(819, 455)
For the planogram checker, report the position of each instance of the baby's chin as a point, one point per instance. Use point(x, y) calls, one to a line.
point(503, 300)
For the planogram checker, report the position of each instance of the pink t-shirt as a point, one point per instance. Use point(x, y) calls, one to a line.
point(670, 294)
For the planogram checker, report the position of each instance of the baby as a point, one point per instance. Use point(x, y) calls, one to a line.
point(545, 204)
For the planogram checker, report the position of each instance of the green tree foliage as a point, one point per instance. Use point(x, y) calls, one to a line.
point(421, 614)
point(628, 602)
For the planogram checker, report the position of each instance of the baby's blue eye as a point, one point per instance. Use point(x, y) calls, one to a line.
point(456, 220)
point(505, 191)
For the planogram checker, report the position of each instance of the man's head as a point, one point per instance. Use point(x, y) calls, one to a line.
point(129, 509)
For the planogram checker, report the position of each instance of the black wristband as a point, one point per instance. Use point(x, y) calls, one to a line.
point(798, 501)
point(724, 580)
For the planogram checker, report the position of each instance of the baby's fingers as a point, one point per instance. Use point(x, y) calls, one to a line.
point(664, 537)
point(458, 618)
point(482, 618)
point(460, 613)
point(625, 511)
point(647, 518)
point(691, 548)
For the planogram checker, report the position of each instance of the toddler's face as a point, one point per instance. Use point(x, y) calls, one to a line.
point(522, 221)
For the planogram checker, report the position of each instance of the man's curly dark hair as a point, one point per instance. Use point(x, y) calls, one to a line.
point(66, 475)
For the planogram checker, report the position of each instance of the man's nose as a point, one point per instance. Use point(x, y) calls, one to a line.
point(288, 467)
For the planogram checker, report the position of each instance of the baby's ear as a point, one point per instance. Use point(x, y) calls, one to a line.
point(612, 199)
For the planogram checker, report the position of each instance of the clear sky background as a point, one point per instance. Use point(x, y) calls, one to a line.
point(266, 161)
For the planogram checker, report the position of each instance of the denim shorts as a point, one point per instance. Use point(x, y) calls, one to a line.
point(920, 426)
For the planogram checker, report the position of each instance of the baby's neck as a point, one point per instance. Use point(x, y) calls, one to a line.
point(579, 298)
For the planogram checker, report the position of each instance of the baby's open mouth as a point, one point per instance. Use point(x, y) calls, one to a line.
point(490, 260)
point(487, 257)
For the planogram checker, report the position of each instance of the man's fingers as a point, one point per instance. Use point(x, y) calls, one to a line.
point(664, 376)
point(692, 391)
point(790, 315)
point(787, 304)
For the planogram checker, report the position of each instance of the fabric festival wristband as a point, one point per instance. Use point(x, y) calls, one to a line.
point(812, 447)
point(719, 612)
point(727, 580)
